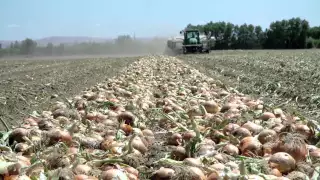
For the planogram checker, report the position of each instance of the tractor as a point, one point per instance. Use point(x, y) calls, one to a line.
point(190, 41)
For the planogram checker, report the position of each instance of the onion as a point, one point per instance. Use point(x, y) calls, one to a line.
point(192, 162)
point(132, 176)
point(139, 145)
point(194, 111)
point(147, 132)
point(84, 177)
point(127, 117)
point(229, 128)
point(266, 135)
point(18, 134)
point(276, 172)
point(230, 149)
point(127, 129)
point(253, 127)
point(214, 176)
point(178, 153)
point(112, 174)
point(292, 144)
point(282, 161)
point(82, 169)
point(211, 107)
point(267, 115)
point(218, 166)
point(132, 170)
point(59, 135)
point(228, 106)
point(303, 129)
point(164, 173)
point(21, 147)
point(241, 132)
point(216, 136)
point(175, 139)
point(197, 174)
point(16, 177)
point(188, 135)
point(31, 121)
point(250, 146)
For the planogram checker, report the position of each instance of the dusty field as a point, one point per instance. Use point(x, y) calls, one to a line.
point(289, 79)
point(27, 85)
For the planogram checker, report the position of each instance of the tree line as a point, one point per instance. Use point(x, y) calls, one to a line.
point(294, 33)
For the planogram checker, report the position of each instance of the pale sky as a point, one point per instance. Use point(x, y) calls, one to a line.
point(109, 18)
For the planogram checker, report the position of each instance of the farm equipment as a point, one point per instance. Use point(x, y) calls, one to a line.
point(189, 41)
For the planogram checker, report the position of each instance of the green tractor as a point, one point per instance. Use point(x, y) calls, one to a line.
point(189, 41)
point(195, 42)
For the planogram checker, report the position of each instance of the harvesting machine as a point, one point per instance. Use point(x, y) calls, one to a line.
point(189, 41)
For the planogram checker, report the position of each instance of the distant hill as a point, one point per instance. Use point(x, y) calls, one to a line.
point(73, 39)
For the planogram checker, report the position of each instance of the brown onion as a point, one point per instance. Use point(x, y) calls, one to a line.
point(267, 115)
point(112, 174)
point(211, 107)
point(230, 149)
point(284, 162)
point(266, 135)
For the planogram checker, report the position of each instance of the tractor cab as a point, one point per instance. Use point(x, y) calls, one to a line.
point(194, 42)
point(191, 37)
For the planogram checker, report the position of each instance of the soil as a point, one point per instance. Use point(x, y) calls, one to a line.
point(29, 85)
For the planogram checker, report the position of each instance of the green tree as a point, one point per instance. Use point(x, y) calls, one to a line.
point(28, 47)
point(49, 49)
point(314, 32)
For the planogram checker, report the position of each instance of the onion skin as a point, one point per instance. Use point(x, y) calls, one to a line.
point(294, 146)
point(132, 177)
point(192, 162)
point(132, 170)
point(304, 130)
point(163, 173)
point(112, 174)
point(214, 176)
point(267, 115)
point(197, 174)
point(282, 161)
point(253, 128)
point(276, 172)
point(84, 177)
point(139, 145)
point(230, 149)
point(127, 117)
point(82, 169)
point(230, 128)
point(188, 135)
point(266, 135)
point(211, 107)
point(175, 139)
point(250, 145)
point(178, 153)
point(18, 134)
point(241, 132)
point(16, 177)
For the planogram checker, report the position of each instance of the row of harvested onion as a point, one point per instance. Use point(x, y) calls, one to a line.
point(112, 128)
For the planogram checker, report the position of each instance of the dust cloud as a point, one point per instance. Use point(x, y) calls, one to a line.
point(132, 48)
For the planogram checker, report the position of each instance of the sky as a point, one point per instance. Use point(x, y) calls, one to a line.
point(37, 19)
